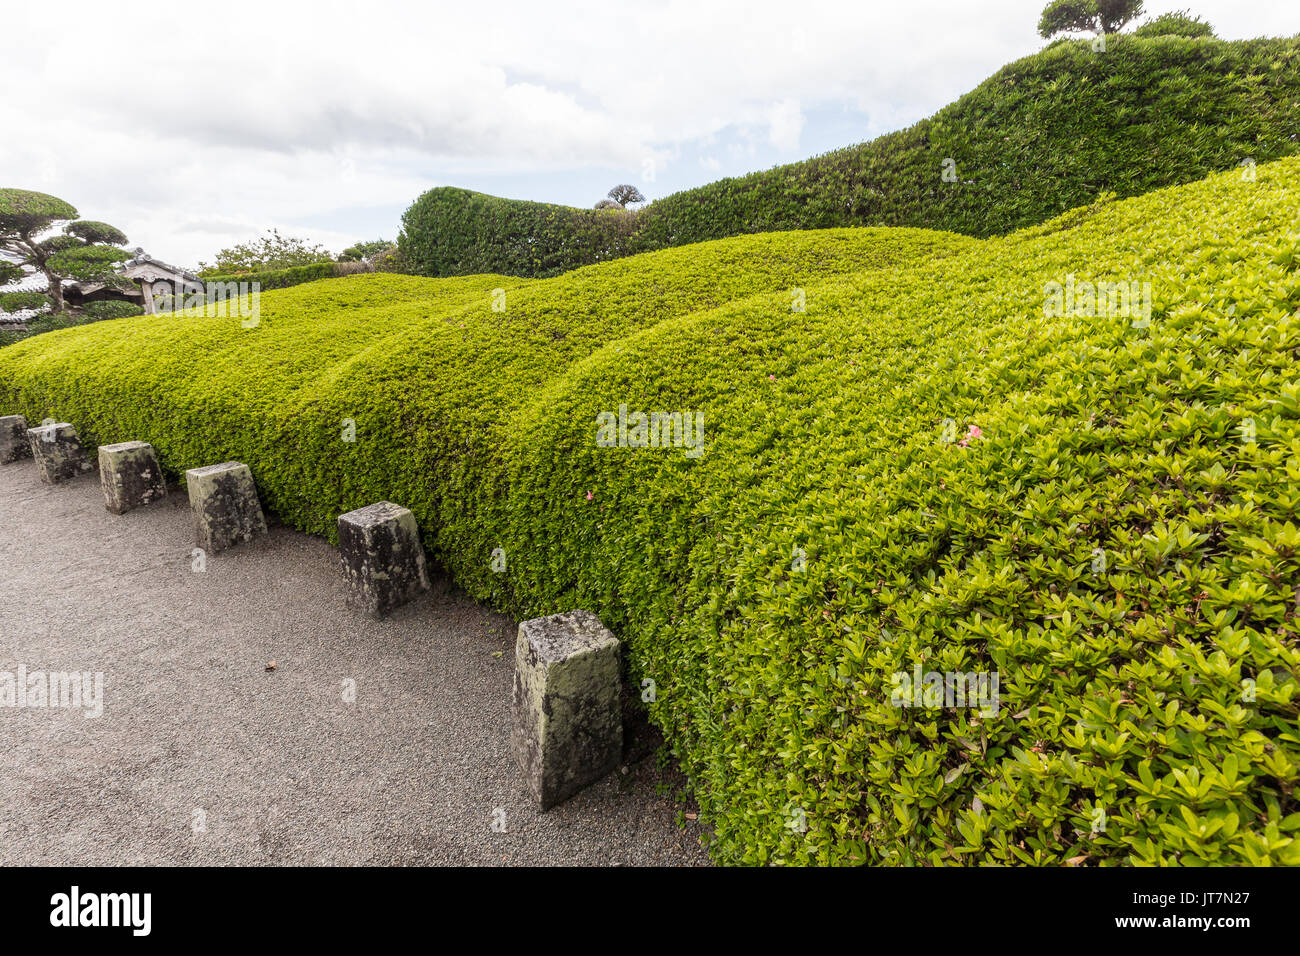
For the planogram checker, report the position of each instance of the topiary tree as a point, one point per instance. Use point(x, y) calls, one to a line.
point(86, 251)
point(1096, 16)
point(622, 196)
point(1179, 23)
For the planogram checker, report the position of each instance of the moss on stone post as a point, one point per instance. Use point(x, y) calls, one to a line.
point(58, 452)
point(224, 501)
point(383, 561)
point(13, 439)
point(568, 723)
point(130, 476)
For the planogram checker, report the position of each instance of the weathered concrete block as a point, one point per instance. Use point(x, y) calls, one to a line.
point(568, 725)
point(13, 439)
point(130, 476)
point(383, 561)
point(58, 452)
point(224, 501)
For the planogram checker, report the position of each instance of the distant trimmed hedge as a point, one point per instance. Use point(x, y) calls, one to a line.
point(283, 278)
point(910, 462)
point(1179, 23)
point(1045, 134)
point(450, 231)
point(297, 275)
point(111, 309)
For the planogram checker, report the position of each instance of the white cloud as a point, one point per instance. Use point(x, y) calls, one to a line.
point(784, 124)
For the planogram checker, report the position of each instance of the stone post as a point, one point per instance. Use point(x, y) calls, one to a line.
point(568, 723)
point(383, 560)
point(13, 439)
point(58, 452)
point(130, 476)
point(225, 505)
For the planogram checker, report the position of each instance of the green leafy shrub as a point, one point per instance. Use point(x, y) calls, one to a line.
point(1180, 23)
point(52, 321)
point(909, 460)
point(271, 252)
point(1045, 134)
point(450, 231)
point(281, 278)
point(23, 301)
point(390, 260)
point(111, 309)
point(364, 250)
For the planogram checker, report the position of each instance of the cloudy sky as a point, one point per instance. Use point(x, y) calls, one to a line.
point(193, 126)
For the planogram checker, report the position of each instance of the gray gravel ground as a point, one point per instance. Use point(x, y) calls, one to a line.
point(202, 756)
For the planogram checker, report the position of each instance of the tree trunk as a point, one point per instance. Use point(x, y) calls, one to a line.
point(35, 257)
point(55, 290)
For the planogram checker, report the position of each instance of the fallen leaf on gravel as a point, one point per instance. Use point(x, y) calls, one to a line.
point(271, 665)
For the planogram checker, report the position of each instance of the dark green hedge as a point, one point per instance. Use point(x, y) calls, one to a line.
point(1047, 133)
point(111, 309)
point(450, 231)
point(282, 278)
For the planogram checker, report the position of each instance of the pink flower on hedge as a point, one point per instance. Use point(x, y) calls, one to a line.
point(974, 431)
point(771, 378)
point(590, 496)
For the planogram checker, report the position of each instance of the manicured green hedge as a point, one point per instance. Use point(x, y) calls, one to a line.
point(111, 309)
point(1045, 134)
point(1180, 23)
point(833, 533)
point(282, 278)
point(450, 231)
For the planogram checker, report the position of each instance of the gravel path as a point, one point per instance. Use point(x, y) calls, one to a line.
point(203, 756)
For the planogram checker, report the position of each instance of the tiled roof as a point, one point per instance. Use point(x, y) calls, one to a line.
point(141, 258)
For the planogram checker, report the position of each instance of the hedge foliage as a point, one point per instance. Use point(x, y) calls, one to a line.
point(449, 231)
point(1045, 134)
point(833, 533)
point(282, 278)
point(1180, 23)
point(111, 309)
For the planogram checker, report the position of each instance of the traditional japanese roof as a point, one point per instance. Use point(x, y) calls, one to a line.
point(148, 268)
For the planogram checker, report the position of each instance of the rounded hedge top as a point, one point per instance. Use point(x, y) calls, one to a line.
point(1180, 23)
point(22, 209)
